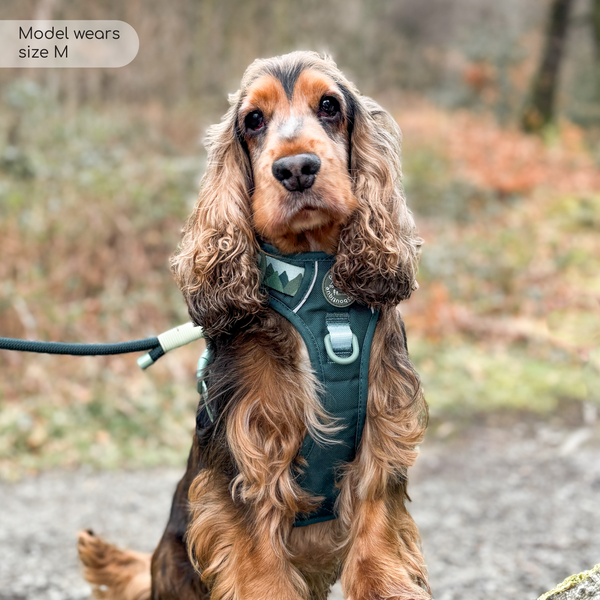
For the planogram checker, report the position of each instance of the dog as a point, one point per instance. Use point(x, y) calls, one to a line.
point(301, 165)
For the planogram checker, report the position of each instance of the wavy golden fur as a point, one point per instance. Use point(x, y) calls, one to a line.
point(304, 162)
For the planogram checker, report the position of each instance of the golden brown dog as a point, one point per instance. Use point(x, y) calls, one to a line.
point(301, 160)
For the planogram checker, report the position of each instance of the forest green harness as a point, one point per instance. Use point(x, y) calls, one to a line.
point(338, 333)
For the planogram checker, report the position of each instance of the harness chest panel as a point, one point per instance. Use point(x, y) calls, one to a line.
point(338, 334)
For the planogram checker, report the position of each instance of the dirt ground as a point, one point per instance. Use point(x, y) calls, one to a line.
point(504, 512)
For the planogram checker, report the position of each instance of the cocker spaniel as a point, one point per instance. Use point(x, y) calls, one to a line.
point(298, 471)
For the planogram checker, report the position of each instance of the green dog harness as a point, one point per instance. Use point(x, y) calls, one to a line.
point(338, 333)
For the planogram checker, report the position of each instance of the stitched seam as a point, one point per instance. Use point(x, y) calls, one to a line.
point(299, 260)
point(360, 429)
point(360, 377)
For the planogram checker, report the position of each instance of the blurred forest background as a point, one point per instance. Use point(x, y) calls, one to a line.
point(99, 168)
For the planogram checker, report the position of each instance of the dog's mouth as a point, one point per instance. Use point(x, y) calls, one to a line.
point(306, 209)
point(297, 202)
point(304, 212)
point(311, 212)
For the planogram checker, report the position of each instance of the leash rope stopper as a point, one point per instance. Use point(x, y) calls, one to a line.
point(169, 340)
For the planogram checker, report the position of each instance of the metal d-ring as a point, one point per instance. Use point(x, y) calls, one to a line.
point(338, 359)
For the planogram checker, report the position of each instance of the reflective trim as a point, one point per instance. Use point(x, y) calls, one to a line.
point(312, 285)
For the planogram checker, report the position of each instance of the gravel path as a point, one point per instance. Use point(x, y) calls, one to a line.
point(504, 514)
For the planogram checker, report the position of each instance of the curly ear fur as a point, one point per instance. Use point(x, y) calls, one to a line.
point(378, 252)
point(216, 265)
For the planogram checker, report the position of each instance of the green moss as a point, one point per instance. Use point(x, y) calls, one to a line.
point(467, 378)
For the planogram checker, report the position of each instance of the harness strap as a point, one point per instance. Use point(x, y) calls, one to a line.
point(338, 333)
point(338, 325)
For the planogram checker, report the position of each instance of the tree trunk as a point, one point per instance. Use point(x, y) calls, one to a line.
point(596, 25)
point(596, 35)
point(539, 111)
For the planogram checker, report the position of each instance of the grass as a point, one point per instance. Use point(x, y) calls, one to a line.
point(91, 204)
point(467, 377)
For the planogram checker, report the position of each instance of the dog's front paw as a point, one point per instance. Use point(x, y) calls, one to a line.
point(369, 584)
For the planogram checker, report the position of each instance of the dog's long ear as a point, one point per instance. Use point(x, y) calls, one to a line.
point(379, 248)
point(216, 265)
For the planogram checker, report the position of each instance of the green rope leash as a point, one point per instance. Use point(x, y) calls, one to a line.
point(570, 582)
point(158, 346)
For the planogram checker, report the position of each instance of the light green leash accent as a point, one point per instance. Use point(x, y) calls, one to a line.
point(171, 339)
point(570, 582)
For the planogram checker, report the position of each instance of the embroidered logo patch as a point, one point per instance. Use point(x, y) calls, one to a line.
point(333, 295)
point(281, 276)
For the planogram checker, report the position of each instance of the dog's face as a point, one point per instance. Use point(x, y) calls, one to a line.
point(304, 161)
point(295, 127)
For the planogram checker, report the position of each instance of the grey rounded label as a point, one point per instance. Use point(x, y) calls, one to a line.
point(67, 44)
point(333, 295)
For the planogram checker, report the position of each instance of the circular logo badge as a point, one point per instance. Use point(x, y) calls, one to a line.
point(333, 295)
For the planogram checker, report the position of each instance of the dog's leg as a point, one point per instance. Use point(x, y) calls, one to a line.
point(383, 559)
point(173, 576)
point(241, 521)
point(166, 575)
point(239, 556)
point(316, 553)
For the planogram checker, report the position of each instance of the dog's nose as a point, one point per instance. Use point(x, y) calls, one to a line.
point(297, 173)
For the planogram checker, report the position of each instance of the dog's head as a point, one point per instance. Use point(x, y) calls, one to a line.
point(302, 160)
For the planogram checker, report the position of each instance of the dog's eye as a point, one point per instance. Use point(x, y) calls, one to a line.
point(255, 120)
point(329, 107)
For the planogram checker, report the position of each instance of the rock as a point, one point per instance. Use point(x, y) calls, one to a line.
point(584, 586)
